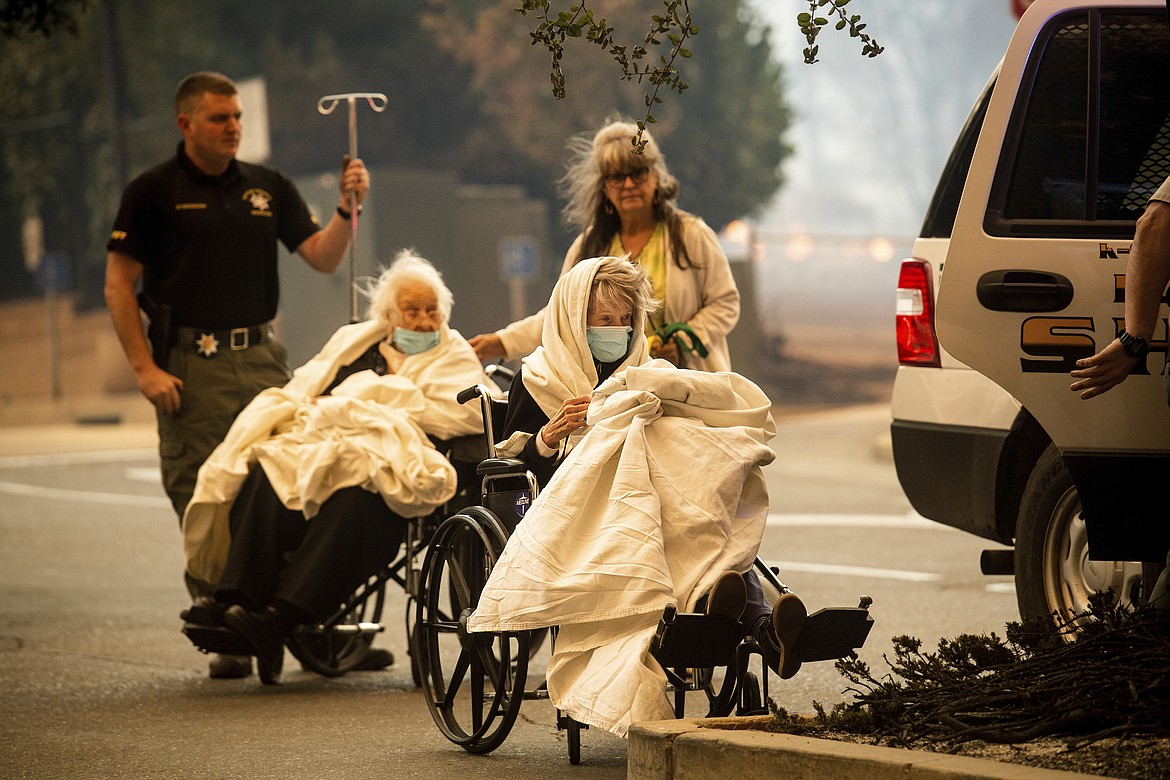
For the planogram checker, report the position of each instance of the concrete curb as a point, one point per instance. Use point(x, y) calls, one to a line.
point(695, 748)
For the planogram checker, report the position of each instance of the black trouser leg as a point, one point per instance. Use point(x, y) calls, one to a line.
point(350, 539)
point(263, 530)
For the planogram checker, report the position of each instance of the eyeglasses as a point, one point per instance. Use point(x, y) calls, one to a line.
point(619, 178)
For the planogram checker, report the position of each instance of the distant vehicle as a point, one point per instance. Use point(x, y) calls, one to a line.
point(1019, 272)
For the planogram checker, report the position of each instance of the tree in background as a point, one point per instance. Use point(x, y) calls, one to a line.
point(723, 137)
point(79, 114)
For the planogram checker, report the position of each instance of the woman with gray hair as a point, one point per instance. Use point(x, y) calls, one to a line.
point(347, 446)
point(593, 330)
point(624, 205)
point(657, 499)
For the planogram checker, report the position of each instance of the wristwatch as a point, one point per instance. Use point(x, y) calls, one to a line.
point(1135, 346)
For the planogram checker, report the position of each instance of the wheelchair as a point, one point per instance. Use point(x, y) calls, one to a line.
point(475, 683)
point(339, 643)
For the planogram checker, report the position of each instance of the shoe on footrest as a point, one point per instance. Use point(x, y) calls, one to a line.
point(728, 597)
point(204, 611)
point(778, 634)
point(265, 634)
point(230, 667)
point(217, 639)
point(375, 659)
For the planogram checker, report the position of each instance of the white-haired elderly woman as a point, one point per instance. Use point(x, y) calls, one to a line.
point(345, 445)
point(623, 204)
point(652, 495)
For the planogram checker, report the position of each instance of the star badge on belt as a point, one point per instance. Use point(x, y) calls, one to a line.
point(207, 344)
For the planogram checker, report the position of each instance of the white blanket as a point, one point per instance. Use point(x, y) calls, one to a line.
point(663, 494)
point(371, 431)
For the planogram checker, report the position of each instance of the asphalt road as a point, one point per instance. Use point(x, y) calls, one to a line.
point(99, 683)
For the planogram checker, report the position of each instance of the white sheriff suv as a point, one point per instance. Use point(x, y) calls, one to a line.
point(1019, 272)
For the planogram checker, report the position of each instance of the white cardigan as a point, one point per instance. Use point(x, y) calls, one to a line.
point(705, 296)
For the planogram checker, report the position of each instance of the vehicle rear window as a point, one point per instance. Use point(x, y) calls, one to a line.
point(944, 205)
point(1089, 140)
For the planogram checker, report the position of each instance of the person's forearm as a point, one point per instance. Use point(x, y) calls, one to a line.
point(325, 249)
point(1148, 271)
point(123, 308)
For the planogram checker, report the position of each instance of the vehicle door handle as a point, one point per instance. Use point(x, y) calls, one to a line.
point(1019, 290)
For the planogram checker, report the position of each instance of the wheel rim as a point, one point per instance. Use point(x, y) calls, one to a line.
point(473, 685)
point(1070, 577)
point(334, 651)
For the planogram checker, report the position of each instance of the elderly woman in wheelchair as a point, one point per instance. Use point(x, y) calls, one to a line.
point(662, 504)
point(308, 494)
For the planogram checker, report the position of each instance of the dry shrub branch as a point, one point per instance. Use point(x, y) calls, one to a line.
point(1103, 675)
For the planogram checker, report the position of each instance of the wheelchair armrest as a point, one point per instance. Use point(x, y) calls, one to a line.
point(494, 467)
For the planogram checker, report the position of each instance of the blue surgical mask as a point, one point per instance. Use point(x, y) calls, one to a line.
point(608, 343)
point(413, 342)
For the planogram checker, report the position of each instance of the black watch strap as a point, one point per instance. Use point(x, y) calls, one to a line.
point(1134, 346)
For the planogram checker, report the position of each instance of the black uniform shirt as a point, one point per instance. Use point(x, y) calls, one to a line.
point(208, 243)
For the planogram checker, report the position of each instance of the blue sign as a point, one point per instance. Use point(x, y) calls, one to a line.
point(517, 258)
point(53, 272)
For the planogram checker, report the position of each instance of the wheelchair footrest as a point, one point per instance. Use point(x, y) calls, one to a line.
point(217, 639)
point(688, 639)
point(832, 633)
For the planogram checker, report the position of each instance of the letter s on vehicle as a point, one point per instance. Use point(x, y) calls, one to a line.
point(1055, 340)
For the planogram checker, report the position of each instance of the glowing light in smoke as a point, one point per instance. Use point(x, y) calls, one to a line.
point(738, 231)
point(881, 249)
point(800, 247)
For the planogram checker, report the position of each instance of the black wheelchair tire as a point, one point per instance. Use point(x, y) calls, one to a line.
point(331, 652)
point(494, 666)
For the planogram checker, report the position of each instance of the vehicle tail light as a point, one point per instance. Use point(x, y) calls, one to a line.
point(914, 317)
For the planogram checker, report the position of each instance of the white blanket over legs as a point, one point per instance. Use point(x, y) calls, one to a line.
point(371, 431)
point(663, 494)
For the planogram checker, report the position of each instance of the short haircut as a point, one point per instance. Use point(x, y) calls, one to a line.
point(407, 267)
point(191, 89)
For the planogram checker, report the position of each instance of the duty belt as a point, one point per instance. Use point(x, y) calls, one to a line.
point(207, 342)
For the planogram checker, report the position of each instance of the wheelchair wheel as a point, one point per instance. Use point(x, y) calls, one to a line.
point(574, 735)
point(751, 701)
point(719, 683)
point(411, 644)
point(336, 646)
point(473, 683)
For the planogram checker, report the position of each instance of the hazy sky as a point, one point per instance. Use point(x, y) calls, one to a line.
point(872, 134)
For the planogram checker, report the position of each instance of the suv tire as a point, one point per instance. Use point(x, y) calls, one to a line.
point(1053, 570)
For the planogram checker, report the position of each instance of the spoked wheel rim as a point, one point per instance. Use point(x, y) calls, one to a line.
point(334, 651)
point(1070, 577)
point(473, 683)
point(719, 683)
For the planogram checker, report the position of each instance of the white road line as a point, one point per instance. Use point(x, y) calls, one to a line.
point(858, 571)
point(82, 496)
point(908, 520)
point(74, 458)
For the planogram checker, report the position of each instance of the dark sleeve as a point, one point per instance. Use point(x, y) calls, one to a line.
point(296, 219)
point(524, 414)
point(134, 231)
